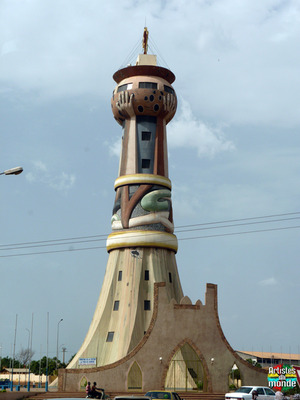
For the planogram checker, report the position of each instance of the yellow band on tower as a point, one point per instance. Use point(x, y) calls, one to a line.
point(140, 238)
point(143, 178)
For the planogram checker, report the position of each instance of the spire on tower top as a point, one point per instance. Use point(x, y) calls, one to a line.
point(145, 40)
point(145, 58)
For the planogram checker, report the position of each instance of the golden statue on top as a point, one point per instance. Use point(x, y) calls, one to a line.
point(145, 40)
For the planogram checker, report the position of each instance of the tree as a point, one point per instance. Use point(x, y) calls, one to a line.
point(71, 358)
point(6, 362)
point(253, 362)
point(35, 366)
point(25, 356)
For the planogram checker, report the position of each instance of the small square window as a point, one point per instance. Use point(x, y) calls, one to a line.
point(145, 163)
point(147, 305)
point(120, 276)
point(127, 86)
point(110, 336)
point(147, 275)
point(116, 305)
point(147, 85)
point(168, 89)
point(146, 135)
point(121, 88)
point(170, 277)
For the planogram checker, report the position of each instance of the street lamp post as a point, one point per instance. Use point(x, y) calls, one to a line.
point(47, 348)
point(27, 353)
point(64, 349)
point(13, 360)
point(12, 171)
point(30, 354)
point(57, 344)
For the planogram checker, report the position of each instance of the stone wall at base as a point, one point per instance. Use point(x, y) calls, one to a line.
point(172, 326)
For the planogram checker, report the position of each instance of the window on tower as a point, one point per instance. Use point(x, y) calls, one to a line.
point(169, 89)
point(147, 85)
point(126, 86)
point(147, 275)
point(110, 336)
point(146, 135)
point(116, 305)
point(147, 305)
point(120, 276)
point(145, 163)
point(146, 131)
point(170, 277)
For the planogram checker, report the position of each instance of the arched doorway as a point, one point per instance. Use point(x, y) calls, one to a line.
point(83, 382)
point(186, 371)
point(135, 379)
point(234, 378)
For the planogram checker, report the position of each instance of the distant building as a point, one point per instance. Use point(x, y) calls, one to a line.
point(269, 359)
point(20, 376)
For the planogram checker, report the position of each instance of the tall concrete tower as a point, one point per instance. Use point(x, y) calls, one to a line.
point(144, 333)
point(142, 245)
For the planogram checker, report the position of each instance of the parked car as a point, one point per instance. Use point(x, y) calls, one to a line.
point(163, 395)
point(133, 397)
point(245, 393)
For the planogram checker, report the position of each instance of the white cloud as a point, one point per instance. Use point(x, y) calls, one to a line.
point(268, 282)
point(8, 47)
point(40, 174)
point(40, 166)
point(114, 148)
point(238, 62)
point(62, 182)
point(30, 177)
point(188, 131)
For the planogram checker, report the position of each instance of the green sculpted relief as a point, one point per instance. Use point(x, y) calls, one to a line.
point(156, 207)
point(156, 200)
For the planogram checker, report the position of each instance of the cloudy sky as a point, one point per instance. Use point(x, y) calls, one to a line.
point(234, 160)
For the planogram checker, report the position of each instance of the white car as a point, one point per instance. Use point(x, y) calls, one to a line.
point(245, 393)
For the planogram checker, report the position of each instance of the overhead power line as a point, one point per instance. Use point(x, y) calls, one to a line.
point(102, 237)
point(195, 227)
point(242, 219)
point(179, 239)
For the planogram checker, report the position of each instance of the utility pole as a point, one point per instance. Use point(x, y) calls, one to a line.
point(64, 349)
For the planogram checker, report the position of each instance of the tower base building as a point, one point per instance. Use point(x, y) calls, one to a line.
point(145, 334)
point(183, 349)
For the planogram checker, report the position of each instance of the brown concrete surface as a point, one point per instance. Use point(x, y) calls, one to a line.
point(171, 327)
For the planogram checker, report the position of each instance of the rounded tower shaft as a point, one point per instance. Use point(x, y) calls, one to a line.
point(142, 245)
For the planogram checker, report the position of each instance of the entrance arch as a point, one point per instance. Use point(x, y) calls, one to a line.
point(135, 378)
point(83, 382)
point(186, 370)
point(234, 378)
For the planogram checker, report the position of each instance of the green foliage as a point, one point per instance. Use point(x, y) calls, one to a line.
point(35, 366)
point(72, 358)
point(6, 362)
point(254, 363)
point(236, 374)
point(293, 390)
point(232, 387)
point(200, 385)
point(83, 382)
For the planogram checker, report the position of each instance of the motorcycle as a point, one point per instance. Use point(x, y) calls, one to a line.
point(102, 396)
